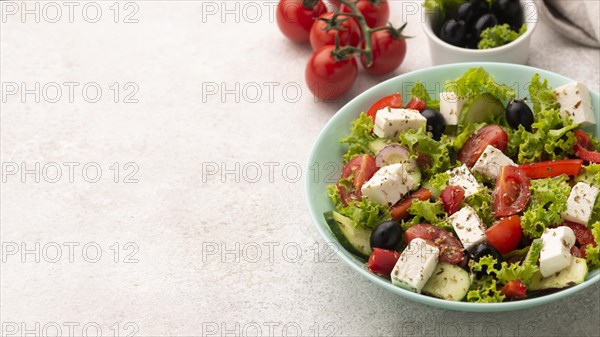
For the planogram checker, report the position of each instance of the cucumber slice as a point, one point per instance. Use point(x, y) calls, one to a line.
point(568, 277)
point(479, 109)
point(534, 252)
point(415, 173)
point(356, 240)
point(448, 282)
point(377, 145)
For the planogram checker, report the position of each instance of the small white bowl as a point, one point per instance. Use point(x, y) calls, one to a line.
point(514, 52)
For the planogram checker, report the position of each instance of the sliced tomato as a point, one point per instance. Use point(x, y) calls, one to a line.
point(514, 289)
point(382, 261)
point(393, 101)
point(554, 168)
point(451, 250)
point(361, 168)
point(578, 252)
point(417, 104)
point(584, 149)
point(583, 237)
point(400, 210)
point(473, 148)
point(452, 196)
point(505, 235)
point(512, 192)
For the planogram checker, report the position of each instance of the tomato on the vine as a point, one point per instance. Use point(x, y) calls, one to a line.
point(389, 50)
point(376, 12)
point(327, 77)
point(296, 17)
point(393, 101)
point(322, 33)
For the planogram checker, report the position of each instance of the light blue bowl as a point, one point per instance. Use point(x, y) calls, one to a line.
point(327, 153)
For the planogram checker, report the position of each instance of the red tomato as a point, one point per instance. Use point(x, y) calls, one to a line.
point(350, 34)
point(295, 20)
point(505, 235)
point(376, 12)
point(362, 168)
point(583, 235)
point(452, 196)
point(514, 289)
point(451, 250)
point(512, 192)
point(417, 104)
point(392, 101)
point(328, 78)
point(489, 135)
point(554, 168)
point(400, 210)
point(584, 149)
point(578, 252)
point(388, 53)
point(382, 261)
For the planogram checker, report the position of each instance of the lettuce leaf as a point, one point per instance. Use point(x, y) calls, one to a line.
point(441, 5)
point(477, 81)
point(426, 212)
point(481, 202)
point(548, 201)
point(365, 213)
point(467, 131)
point(593, 253)
point(421, 142)
point(507, 272)
point(359, 138)
point(420, 91)
point(590, 175)
point(542, 96)
point(499, 35)
point(437, 183)
point(485, 290)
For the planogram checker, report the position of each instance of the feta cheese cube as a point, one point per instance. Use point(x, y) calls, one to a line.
point(450, 107)
point(575, 102)
point(580, 203)
point(556, 250)
point(468, 227)
point(461, 176)
point(490, 162)
point(389, 123)
point(415, 265)
point(389, 184)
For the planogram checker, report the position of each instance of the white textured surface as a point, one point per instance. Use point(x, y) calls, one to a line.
point(174, 289)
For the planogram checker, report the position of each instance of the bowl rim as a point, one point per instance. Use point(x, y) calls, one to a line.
point(426, 25)
point(351, 260)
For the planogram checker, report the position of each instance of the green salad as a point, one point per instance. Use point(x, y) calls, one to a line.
point(473, 194)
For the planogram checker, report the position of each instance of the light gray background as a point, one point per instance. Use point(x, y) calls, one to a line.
point(179, 285)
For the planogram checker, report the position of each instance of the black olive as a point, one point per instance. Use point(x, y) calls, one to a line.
point(484, 249)
point(472, 40)
point(470, 11)
point(508, 11)
point(485, 21)
point(453, 32)
point(519, 113)
point(386, 235)
point(436, 124)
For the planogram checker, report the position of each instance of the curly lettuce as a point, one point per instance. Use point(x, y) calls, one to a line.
point(437, 183)
point(359, 138)
point(548, 201)
point(420, 91)
point(499, 35)
point(466, 132)
point(481, 202)
point(364, 213)
point(477, 81)
point(426, 212)
point(421, 143)
point(590, 175)
point(592, 254)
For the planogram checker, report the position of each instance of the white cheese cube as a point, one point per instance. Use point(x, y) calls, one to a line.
point(389, 184)
point(461, 176)
point(450, 107)
point(490, 162)
point(556, 250)
point(389, 123)
point(580, 203)
point(415, 265)
point(468, 227)
point(575, 102)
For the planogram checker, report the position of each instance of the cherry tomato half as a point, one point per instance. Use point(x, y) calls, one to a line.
point(416, 104)
point(400, 210)
point(512, 192)
point(583, 237)
point(328, 78)
point(554, 168)
point(362, 168)
point(349, 33)
point(505, 235)
point(514, 289)
point(388, 53)
point(382, 261)
point(452, 196)
point(584, 149)
point(473, 148)
point(376, 13)
point(295, 20)
point(393, 101)
point(451, 250)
